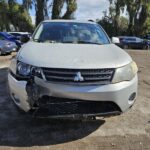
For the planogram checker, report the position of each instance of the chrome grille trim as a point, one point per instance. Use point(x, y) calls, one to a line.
point(66, 76)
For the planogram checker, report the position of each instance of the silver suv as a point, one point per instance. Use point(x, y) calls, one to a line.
point(70, 69)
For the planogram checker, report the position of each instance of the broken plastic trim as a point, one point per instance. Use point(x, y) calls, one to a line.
point(32, 92)
point(76, 116)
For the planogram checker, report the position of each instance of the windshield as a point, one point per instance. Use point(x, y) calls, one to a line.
point(69, 32)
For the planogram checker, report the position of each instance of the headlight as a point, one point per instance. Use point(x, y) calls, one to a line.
point(125, 73)
point(24, 69)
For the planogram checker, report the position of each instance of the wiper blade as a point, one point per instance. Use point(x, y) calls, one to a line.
point(87, 42)
point(46, 41)
point(81, 42)
point(50, 41)
point(69, 42)
point(37, 40)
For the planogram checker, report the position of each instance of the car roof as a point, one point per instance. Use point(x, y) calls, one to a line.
point(20, 32)
point(74, 21)
point(4, 33)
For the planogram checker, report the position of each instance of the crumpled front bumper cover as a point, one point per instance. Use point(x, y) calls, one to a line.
point(54, 107)
point(118, 94)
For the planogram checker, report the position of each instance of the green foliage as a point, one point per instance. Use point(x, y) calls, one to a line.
point(4, 23)
point(27, 4)
point(71, 8)
point(12, 13)
point(58, 6)
point(110, 28)
point(137, 22)
point(17, 15)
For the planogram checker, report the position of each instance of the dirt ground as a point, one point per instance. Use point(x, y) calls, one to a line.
point(129, 131)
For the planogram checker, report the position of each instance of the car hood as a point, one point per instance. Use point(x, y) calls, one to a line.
point(59, 55)
point(2, 42)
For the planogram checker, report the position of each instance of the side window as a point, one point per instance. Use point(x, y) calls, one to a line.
point(139, 40)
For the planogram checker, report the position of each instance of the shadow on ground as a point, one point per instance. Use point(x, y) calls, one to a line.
point(20, 129)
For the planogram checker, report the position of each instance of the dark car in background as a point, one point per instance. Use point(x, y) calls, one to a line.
point(127, 42)
point(11, 38)
point(6, 47)
point(20, 35)
point(147, 36)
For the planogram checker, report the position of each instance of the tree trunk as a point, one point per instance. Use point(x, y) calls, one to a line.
point(71, 8)
point(39, 11)
point(57, 7)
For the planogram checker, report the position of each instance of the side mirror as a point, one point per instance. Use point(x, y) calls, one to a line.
point(115, 40)
point(24, 39)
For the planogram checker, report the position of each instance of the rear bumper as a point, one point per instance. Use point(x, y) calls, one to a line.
point(118, 93)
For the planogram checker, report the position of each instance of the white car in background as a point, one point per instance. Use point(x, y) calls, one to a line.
point(71, 69)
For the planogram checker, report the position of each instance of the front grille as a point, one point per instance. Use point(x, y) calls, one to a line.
point(79, 76)
point(53, 106)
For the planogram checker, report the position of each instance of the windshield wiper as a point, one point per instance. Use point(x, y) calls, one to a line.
point(74, 42)
point(82, 42)
point(51, 41)
point(37, 40)
point(87, 42)
point(46, 41)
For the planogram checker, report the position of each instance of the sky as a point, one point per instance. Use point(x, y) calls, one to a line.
point(91, 9)
point(87, 9)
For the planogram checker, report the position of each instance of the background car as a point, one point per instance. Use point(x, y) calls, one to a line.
point(9, 37)
point(127, 42)
point(20, 35)
point(6, 47)
point(147, 36)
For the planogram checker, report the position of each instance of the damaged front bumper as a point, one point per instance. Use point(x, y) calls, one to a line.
point(59, 100)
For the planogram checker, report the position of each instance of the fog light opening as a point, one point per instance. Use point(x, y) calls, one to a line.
point(132, 97)
point(17, 101)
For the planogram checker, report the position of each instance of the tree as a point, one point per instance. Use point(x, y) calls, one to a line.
point(39, 7)
point(4, 16)
point(138, 12)
point(71, 8)
point(112, 21)
point(116, 6)
point(136, 23)
point(42, 8)
point(142, 21)
point(58, 6)
point(27, 4)
point(10, 13)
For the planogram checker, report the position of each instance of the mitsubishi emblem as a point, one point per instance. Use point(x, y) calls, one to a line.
point(78, 77)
